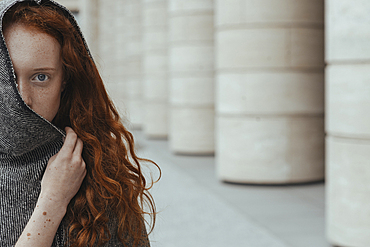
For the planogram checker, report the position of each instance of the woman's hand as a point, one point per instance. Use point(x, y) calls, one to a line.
point(62, 179)
point(65, 171)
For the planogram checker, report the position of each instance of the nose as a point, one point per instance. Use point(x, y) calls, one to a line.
point(25, 91)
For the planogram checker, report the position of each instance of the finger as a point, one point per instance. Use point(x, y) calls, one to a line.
point(79, 147)
point(52, 158)
point(70, 141)
point(85, 170)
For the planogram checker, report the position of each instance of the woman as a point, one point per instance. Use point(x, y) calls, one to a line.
point(82, 187)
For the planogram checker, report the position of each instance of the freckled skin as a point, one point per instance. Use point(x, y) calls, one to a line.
point(40, 55)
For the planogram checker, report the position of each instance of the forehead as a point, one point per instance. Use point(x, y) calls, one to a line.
point(26, 42)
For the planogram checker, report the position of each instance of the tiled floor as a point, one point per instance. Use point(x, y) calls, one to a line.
point(197, 210)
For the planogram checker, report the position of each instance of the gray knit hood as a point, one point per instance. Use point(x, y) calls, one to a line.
point(21, 129)
point(27, 141)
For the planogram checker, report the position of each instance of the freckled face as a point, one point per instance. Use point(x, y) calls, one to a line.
point(38, 67)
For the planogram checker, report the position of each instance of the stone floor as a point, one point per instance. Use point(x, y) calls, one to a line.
point(197, 210)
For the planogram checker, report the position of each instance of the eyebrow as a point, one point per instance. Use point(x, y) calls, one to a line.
point(44, 69)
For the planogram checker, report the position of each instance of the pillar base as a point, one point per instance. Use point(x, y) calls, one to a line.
point(270, 150)
point(347, 190)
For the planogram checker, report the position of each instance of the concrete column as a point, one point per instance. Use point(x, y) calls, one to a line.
point(122, 24)
point(155, 69)
point(191, 71)
point(348, 122)
point(270, 91)
point(89, 16)
point(133, 92)
point(72, 5)
point(107, 43)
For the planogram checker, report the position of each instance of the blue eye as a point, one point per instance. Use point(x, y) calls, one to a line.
point(41, 77)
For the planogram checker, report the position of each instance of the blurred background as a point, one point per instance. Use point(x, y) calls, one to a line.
point(248, 106)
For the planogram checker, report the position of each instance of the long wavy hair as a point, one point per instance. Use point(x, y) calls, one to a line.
point(114, 188)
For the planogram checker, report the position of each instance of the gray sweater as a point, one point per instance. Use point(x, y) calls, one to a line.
point(27, 141)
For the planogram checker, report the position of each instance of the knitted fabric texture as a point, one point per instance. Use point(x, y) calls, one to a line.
point(27, 141)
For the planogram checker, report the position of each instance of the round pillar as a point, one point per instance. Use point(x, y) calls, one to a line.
point(155, 69)
point(89, 22)
point(133, 89)
point(121, 13)
point(72, 5)
point(107, 44)
point(348, 122)
point(191, 72)
point(270, 91)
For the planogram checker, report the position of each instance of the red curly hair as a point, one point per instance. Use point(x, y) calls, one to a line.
point(114, 184)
